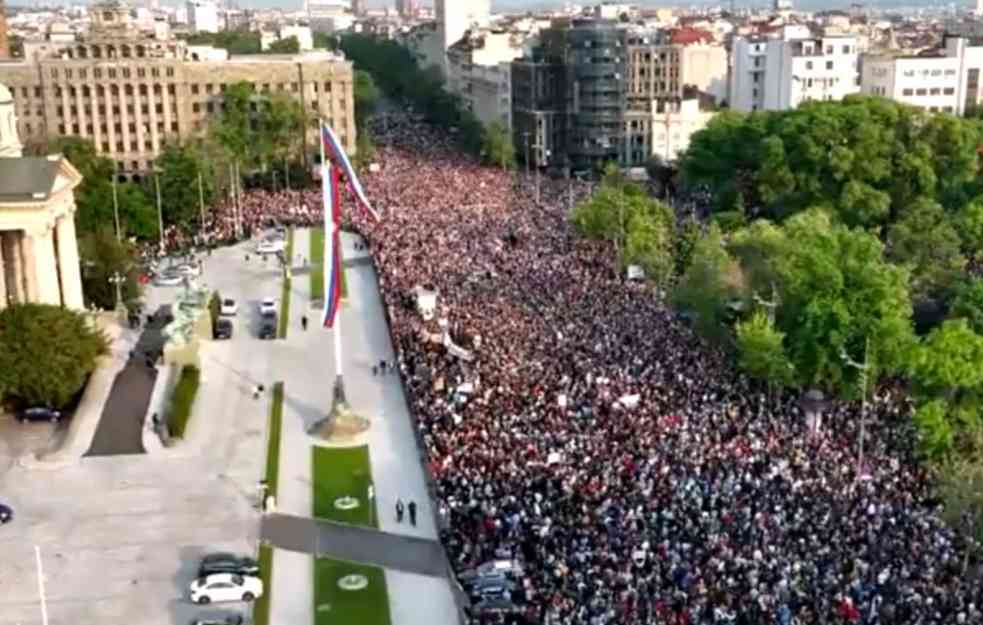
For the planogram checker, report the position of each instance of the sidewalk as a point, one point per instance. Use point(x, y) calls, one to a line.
point(305, 363)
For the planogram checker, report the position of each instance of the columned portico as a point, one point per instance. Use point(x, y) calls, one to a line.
point(68, 263)
point(42, 245)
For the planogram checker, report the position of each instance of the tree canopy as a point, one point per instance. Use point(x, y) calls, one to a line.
point(179, 166)
point(46, 353)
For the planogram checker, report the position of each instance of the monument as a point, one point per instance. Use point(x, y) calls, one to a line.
point(39, 260)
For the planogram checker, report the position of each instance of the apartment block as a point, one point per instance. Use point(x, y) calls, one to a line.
point(945, 80)
point(130, 95)
point(479, 71)
point(779, 74)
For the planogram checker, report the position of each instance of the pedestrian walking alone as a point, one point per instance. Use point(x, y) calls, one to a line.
point(399, 510)
point(303, 322)
point(412, 508)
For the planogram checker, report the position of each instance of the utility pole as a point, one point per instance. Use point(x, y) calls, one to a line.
point(864, 369)
point(160, 211)
point(119, 236)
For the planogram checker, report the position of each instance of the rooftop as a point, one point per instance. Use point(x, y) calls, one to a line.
point(28, 179)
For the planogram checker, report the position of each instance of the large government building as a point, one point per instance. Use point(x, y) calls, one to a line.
point(130, 93)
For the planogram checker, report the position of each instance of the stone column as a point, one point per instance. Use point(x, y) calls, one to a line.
point(13, 266)
point(68, 264)
point(28, 266)
point(41, 244)
point(3, 276)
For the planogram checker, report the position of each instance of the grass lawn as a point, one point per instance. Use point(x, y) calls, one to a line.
point(343, 472)
point(332, 605)
point(261, 609)
point(285, 295)
point(317, 266)
point(273, 442)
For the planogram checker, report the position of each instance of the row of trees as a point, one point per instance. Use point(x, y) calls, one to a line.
point(242, 42)
point(398, 74)
point(833, 225)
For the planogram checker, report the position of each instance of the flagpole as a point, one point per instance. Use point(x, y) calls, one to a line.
point(330, 185)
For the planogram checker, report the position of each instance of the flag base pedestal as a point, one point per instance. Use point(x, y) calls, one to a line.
point(341, 423)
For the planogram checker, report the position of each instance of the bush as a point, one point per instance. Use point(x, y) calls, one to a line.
point(730, 221)
point(46, 353)
point(183, 400)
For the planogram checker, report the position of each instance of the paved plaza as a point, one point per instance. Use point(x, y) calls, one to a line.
point(121, 536)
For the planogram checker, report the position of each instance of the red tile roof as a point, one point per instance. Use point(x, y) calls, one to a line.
point(687, 36)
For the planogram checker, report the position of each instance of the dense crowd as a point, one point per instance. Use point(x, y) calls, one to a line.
point(596, 439)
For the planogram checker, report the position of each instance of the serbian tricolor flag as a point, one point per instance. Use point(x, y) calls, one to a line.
point(336, 153)
point(330, 180)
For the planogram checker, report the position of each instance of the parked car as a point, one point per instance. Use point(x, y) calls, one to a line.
point(268, 329)
point(267, 307)
point(229, 307)
point(187, 270)
point(271, 246)
point(223, 329)
point(227, 563)
point(39, 413)
point(226, 587)
point(169, 279)
point(6, 514)
point(232, 619)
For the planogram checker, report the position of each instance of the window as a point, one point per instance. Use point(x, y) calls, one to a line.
point(194, 89)
point(141, 72)
point(846, 49)
point(170, 72)
point(195, 108)
point(921, 91)
point(174, 127)
point(327, 87)
point(112, 72)
point(947, 109)
point(829, 65)
point(171, 90)
point(808, 64)
point(97, 73)
point(37, 92)
point(949, 91)
point(934, 91)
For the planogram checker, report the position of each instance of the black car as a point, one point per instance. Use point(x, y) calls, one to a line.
point(268, 329)
point(39, 413)
point(227, 563)
point(232, 619)
point(223, 329)
point(6, 514)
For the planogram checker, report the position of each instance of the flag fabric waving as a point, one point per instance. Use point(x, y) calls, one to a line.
point(332, 244)
point(334, 151)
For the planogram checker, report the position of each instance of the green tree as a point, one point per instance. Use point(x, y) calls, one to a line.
point(234, 129)
point(925, 241)
point(685, 242)
point(101, 256)
point(281, 124)
point(94, 197)
point(46, 353)
point(969, 224)
point(179, 166)
point(235, 42)
point(711, 283)
point(497, 146)
point(650, 242)
point(367, 96)
point(761, 353)
point(287, 45)
point(968, 303)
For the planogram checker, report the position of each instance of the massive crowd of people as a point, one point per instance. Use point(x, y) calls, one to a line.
point(637, 477)
point(579, 427)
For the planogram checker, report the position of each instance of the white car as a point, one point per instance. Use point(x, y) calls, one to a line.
point(190, 271)
point(271, 247)
point(267, 307)
point(229, 307)
point(226, 587)
point(169, 279)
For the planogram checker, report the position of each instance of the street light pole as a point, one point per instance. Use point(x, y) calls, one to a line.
point(864, 375)
point(119, 236)
point(201, 204)
point(117, 280)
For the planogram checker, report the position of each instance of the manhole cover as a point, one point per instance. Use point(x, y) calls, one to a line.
point(346, 503)
point(353, 582)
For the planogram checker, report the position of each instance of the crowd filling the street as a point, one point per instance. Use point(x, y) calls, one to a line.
point(577, 428)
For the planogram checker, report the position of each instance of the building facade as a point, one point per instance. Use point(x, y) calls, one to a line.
point(131, 95)
point(4, 34)
point(479, 71)
point(673, 124)
point(780, 74)
point(203, 16)
point(39, 261)
point(945, 80)
point(455, 17)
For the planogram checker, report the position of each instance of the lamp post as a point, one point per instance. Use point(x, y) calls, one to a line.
point(864, 369)
point(160, 211)
point(117, 280)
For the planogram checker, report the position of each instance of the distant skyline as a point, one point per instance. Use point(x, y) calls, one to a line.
point(535, 5)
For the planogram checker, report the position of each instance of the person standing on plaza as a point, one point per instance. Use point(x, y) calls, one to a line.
point(412, 509)
point(399, 510)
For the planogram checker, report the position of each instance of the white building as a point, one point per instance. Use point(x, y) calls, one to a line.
point(455, 17)
point(673, 124)
point(946, 82)
point(303, 35)
point(780, 74)
point(479, 70)
point(203, 16)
